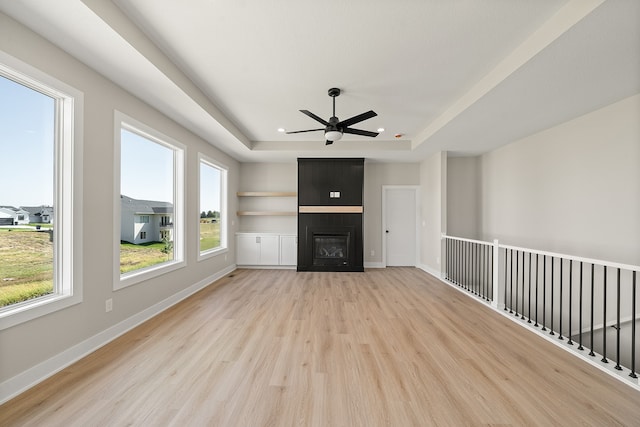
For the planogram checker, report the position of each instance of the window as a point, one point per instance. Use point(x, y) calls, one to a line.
point(40, 129)
point(213, 196)
point(149, 202)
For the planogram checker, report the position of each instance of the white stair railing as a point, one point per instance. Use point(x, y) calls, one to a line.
point(588, 306)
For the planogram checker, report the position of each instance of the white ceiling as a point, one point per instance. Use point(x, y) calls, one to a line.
point(466, 76)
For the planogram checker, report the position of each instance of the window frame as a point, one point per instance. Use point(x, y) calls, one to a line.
point(224, 247)
point(121, 281)
point(68, 170)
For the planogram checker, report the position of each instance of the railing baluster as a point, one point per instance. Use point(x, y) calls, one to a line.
point(522, 306)
point(633, 328)
point(618, 367)
point(446, 265)
point(604, 316)
point(560, 302)
point(467, 265)
point(505, 279)
point(517, 266)
point(529, 321)
point(511, 285)
point(552, 297)
point(544, 292)
point(591, 353)
point(474, 266)
point(537, 276)
point(478, 282)
point(580, 347)
point(485, 256)
point(459, 261)
point(570, 342)
point(490, 273)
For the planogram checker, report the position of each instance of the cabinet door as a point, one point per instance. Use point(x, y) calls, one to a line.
point(247, 250)
point(269, 250)
point(288, 250)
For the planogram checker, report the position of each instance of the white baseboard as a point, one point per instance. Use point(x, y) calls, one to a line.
point(429, 270)
point(374, 265)
point(32, 376)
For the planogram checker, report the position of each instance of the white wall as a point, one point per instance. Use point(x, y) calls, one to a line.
point(433, 182)
point(268, 177)
point(573, 189)
point(375, 176)
point(463, 185)
point(24, 346)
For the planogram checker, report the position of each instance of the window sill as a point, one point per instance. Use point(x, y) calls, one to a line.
point(28, 310)
point(132, 278)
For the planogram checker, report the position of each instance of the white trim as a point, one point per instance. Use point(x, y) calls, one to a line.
point(29, 378)
point(416, 190)
point(374, 265)
point(122, 121)
point(68, 174)
point(431, 271)
point(224, 192)
point(574, 258)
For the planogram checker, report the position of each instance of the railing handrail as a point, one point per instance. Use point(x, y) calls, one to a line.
point(552, 254)
point(462, 239)
point(574, 258)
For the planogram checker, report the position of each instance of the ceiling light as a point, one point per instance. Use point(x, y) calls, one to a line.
point(280, 129)
point(380, 129)
point(333, 135)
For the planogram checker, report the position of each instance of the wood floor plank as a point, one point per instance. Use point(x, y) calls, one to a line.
point(278, 348)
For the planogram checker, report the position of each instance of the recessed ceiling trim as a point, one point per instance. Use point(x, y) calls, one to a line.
point(110, 13)
point(569, 15)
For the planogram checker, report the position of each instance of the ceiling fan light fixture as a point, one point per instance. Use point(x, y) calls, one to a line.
point(333, 135)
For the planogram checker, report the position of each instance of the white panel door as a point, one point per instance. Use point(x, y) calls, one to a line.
point(400, 226)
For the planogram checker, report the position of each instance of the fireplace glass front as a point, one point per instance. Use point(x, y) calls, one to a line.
point(331, 249)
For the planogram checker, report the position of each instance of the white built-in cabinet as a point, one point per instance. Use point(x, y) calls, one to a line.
point(266, 249)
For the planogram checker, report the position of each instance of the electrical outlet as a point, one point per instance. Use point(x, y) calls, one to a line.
point(373, 253)
point(225, 257)
point(108, 305)
point(438, 260)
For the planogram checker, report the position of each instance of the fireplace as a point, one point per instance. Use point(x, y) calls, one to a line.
point(331, 249)
point(330, 214)
point(328, 244)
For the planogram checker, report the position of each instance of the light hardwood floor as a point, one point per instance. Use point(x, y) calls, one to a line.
point(388, 347)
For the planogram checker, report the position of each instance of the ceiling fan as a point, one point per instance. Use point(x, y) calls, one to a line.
point(334, 128)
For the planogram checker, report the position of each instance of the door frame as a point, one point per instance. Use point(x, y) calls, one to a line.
point(416, 193)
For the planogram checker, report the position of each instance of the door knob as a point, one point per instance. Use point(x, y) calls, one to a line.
point(386, 231)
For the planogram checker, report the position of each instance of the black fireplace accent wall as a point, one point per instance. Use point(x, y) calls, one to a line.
point(330, 214)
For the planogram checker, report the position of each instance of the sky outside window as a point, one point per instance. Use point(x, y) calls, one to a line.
point(26, 144)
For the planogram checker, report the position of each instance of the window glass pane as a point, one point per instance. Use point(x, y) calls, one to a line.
point(27, 129)
point(210, 206)
point(147, 202)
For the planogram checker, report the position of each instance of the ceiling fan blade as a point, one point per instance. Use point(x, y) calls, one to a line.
point(328, 142)
point(357, 119)
point(301, 131)
point(360, 132)
point(314, 117)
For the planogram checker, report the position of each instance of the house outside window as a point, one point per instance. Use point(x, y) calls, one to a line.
point(40, 129)
point(150, 196)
